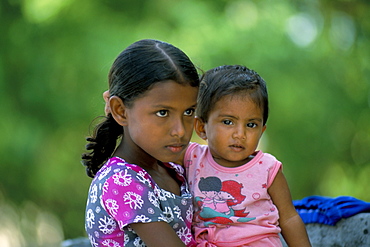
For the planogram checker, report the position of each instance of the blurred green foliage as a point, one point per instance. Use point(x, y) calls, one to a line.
point(55, 56)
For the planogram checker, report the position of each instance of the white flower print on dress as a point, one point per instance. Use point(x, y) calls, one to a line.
point(177, 211)
point(153, 199)
point(90, 218)
point(142, 219)
point(168, 194)
point(141, 177)
point(160, 194)
point(105, 187)
point(175, 226)
point(133, 199)
point(161, 217)
point(122, 179)
point(92, 241)
point(126, 239)
point(189, 213)
point(151, 211)
point(107, 225)
point(168, 214)
point(93, 193)
point(104, 173)
point(141, 201)
point(110, 243)
point(139, 243)
point(101, 202)
point(183, 201)
point(184, 234)
point(112, 206)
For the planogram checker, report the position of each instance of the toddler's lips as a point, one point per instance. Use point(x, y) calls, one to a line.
point(237, 148)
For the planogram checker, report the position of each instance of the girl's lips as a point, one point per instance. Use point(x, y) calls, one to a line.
point(176, 148)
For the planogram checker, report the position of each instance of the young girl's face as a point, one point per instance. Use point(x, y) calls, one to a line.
point(234, 128)
point(160, 122)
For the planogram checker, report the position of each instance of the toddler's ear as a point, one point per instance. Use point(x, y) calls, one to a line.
point(199, 127)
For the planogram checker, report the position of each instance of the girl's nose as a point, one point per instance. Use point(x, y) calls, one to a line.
point(178, 128)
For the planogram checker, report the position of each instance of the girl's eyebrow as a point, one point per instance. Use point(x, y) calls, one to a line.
point(170, 107)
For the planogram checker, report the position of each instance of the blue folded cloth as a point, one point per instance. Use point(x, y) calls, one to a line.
point(326, 210)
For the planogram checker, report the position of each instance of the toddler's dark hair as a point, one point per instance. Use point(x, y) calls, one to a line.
point(227, 80)
point(136, 70)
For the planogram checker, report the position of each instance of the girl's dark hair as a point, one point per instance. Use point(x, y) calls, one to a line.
point(136, 70)
point(227, 80)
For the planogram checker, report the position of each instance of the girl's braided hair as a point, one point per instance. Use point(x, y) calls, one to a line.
point(135, 71)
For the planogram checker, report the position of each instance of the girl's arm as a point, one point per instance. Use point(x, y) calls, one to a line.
point(291, 224)
point(157, 234)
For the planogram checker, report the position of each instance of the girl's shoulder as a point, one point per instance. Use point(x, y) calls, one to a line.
point(117, 165)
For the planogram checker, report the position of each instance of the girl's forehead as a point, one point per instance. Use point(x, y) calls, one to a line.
point(168, 92)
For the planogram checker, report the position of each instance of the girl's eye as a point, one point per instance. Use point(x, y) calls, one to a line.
point(162, 113)
point(227, 122)
point(189, 112)
point(251, 125)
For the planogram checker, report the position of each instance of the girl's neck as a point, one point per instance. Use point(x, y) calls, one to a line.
point(164, 177)
point(135, 156)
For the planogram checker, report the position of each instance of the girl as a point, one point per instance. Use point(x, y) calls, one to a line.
point(254, 203)
point(138, 198)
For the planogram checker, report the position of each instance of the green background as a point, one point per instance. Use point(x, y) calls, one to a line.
point(54, 60)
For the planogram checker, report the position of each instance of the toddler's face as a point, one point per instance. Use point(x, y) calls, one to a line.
point(234, 128)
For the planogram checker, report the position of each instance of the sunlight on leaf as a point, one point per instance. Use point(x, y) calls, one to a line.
point(341, 179)
point(342, 31)
point(43, 10)
point(242, 14)
point(302, 29)
point(28, 226)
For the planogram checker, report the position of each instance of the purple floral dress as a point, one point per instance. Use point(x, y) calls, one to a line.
point(122, 193)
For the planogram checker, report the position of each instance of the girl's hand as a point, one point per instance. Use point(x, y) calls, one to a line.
point(157, 234)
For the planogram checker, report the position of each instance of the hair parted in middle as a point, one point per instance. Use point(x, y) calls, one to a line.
point(136, 69)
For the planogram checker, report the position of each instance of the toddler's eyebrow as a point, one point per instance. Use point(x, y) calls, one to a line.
point(230, 116)
point(227, 116)
point(256, 119)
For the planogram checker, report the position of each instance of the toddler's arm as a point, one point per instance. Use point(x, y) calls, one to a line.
point(292, 227)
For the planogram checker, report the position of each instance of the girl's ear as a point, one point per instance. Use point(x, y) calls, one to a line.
point(118, 110)
point(106, 99)
point(199, 127)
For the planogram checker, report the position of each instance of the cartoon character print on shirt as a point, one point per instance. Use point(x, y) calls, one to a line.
point(219, 201)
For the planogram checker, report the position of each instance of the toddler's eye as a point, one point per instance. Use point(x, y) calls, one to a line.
point(162, 113)
point(251, 125)
point(227, 122)
point(189, 112)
